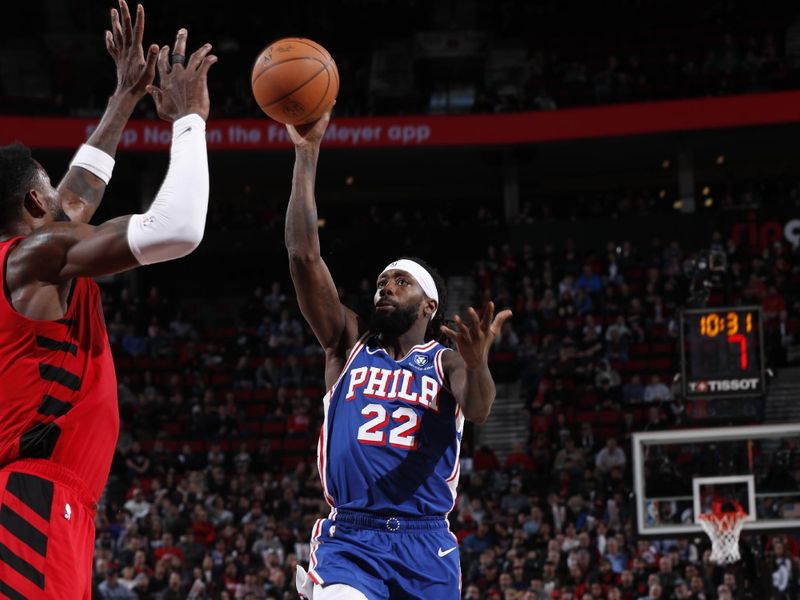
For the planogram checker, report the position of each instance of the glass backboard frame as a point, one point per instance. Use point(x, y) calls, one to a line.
point(710, 434)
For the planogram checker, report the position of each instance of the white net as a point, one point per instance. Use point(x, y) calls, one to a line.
point(724, 531)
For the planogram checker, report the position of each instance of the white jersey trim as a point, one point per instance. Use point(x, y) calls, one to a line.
point(440, 368)
point(322, 444)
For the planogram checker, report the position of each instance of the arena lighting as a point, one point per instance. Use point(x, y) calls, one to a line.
point(665, 163)
point(662, 194)
point(721, 159)
point(349, 180)
point(321, 222)
point(677, 205)
point(709, 202)
point(706, 191)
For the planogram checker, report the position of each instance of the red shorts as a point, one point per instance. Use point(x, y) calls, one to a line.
point(46, 532)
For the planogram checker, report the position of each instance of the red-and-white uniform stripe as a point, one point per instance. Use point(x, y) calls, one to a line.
point(322, 445)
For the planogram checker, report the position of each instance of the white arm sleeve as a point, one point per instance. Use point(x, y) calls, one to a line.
point(174, 224)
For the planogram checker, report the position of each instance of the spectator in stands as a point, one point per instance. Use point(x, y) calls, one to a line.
point(610, 457)
point(633, 390)
point(617, 558)
point(508, 340)
point(112, 589)
point(479, 541)
point(292, 372)
point(570, 458)
point(166, 549)
point(137, 505)
point(656, 390)
point(627, 585)
point(724, 592)
point(617, 345)
point(697, 588)
point(243, 377)
point(588, 442)
point(518, 460)
point(559, 430)
point(275, 300)
point(589, 281)
point(655, 420)
point(137, 462)
point(667, 575)
point(781, 567)
point(677, 409)
point(772, 303)
point(515, 501)
point(485, 459)
point(548, 305)
point(619, 329)
point(181, 328)
point(607, 381)
point(655, 592)
point(627, 427)
point(472, 592)
point(175, 589)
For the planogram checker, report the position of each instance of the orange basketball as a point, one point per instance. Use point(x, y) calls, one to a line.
point(294, 80)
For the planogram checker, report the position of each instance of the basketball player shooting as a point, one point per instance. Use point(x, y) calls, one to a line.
point(394, 415)
point(58, 393)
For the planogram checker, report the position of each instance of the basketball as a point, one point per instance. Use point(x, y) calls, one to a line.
point(294, 80)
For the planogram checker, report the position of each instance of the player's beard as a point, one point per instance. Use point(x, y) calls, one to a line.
point(395, 323)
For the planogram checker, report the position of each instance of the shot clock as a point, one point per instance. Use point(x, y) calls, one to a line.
point(722, 352)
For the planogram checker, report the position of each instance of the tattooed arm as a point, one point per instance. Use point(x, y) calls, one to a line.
point(80, 191)
point(335, 326)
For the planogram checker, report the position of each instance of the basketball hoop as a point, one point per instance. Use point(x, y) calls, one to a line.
point(724, 528)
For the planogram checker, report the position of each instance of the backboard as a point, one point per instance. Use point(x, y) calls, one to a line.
point(678, 473)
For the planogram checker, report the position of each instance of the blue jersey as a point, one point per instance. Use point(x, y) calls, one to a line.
point(391, 437)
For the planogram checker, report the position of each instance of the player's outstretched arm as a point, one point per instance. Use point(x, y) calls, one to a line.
point(173, 225)
point(335, 326)
point(81, 190)
point(468, 370)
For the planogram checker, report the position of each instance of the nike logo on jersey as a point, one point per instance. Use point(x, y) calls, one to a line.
point(445, 552)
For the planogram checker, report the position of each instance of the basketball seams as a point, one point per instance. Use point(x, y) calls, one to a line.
point(285, 62)
point(326, 58)
point(314, 46)
point(324, 95)
point(305, 42)
point(299, 87)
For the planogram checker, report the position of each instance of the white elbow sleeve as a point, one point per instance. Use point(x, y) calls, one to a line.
point(174, 224)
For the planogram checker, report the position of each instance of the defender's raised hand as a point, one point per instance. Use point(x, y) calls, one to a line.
point(474, 340)
point(183, 86)
point(124, 44)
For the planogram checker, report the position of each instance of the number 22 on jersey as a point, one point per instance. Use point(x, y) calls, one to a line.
point(403, 424)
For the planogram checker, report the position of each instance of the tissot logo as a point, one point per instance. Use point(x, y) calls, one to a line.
point(724, 385)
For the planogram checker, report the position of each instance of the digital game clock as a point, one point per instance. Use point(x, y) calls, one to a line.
point(722, 352)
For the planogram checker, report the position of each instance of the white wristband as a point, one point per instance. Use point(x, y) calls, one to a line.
point(95, 161)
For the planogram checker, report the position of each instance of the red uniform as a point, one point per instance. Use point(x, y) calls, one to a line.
point(59, 423)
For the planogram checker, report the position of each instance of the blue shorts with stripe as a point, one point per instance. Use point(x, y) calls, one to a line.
point(387, 558)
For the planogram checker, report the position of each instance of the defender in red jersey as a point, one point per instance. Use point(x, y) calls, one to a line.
point(58, 402)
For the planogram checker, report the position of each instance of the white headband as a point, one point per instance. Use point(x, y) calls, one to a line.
point(419, 273)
